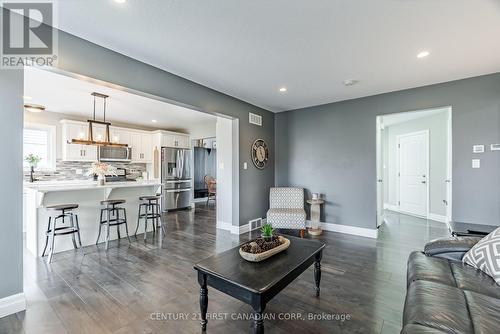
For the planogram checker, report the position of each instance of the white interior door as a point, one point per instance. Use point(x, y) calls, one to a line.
point(413, 173)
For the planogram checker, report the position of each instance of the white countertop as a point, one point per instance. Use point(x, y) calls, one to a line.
point(50, 186)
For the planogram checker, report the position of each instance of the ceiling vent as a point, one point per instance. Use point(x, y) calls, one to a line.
point(255, 119)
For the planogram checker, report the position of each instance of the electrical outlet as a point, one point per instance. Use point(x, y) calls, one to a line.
point(79, 171)
point(476, 163)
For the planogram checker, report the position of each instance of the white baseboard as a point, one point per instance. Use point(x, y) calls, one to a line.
point(234, 229)
point(12, 304)
point(346, 229)
point(436, 217)
point(391, 207)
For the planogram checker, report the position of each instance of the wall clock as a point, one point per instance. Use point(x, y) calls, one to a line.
point(260, 153)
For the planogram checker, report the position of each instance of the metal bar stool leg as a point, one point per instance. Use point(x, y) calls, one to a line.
point(100, 227)
point(152, 210)
point(53, 236)
point(72, 222)
point(117, 217)
point(107, 229)
point(138, 220)
point(146, 222)
point(126, 223)
point(78, 233)
point(47, 237)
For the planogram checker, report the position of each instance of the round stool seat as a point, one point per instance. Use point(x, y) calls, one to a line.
point(149, 198)
point(113, 202)
point(61, 207)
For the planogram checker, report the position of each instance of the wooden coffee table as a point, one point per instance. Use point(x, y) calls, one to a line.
point(257, 283)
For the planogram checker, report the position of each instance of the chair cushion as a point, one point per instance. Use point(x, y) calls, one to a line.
point(287, 218)
point(438, 306)
point(422, 267)
point(286, 198)
point(471, 279)
point(485, 255)
point(484, 312)
point(419, 329)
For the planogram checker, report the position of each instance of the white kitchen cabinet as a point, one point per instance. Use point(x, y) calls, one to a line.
point(175, 140)
point(76, 152)
point(119, 136)
point(141, 144)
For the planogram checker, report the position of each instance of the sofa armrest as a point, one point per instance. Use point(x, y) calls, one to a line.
point(452, 248)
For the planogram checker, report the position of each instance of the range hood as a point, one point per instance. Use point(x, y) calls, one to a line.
point(90, 140)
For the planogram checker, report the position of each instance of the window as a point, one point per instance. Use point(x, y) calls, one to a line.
point(39, 139)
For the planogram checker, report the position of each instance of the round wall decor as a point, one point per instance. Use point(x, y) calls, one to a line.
point(260, 153)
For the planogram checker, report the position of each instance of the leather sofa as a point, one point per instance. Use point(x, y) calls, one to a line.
point(446, 296)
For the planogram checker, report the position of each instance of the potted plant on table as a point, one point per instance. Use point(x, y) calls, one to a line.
point(267, 232)
point(101, 169)
point(32, 160)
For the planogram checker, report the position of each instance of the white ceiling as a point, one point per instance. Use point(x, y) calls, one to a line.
point(63, 94)
point(249, 49)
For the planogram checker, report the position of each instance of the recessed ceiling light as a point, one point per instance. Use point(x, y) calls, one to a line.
point(350, 82)
point(33, 107)
point(27, 97)
point(120, 1)
point(154, 121)
point(423, 54)
point(283, 89)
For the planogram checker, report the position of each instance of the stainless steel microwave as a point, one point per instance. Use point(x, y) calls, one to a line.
point(111, 153)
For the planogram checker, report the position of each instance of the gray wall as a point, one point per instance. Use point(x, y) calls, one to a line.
point(11, 169)
point(438, 149)
point(82, 57)
point(331, 149)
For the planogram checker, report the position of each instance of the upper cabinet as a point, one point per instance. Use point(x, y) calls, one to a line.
point(75, 152)
point(176, 140)
point(141, 144)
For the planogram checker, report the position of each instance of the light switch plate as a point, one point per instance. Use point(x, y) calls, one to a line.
point(478, 149)
point(476, 163)
point(245, 165)
point(495, 147)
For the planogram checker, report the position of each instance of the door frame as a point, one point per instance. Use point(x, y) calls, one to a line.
point(380, 197)
point(427, 171)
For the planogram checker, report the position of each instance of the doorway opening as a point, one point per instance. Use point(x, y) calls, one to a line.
point(414, 164)
point(153, 138)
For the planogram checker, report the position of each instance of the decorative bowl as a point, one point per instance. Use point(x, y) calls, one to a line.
point(264, 255)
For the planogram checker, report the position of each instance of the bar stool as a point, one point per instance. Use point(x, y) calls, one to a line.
point(62, 212)
point(112, 218)
point(152, 212)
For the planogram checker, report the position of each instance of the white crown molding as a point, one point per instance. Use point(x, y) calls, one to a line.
point(12, 304)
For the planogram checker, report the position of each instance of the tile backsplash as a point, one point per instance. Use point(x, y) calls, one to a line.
point(66, 170)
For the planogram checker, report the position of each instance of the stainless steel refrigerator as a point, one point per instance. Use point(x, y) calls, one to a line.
point(176, 174)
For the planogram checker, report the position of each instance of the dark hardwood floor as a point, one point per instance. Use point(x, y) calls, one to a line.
point(149, 287)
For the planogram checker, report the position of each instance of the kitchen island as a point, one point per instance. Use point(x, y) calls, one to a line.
point(88, 195)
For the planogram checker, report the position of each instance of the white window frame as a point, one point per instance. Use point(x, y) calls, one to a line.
point(51, 149)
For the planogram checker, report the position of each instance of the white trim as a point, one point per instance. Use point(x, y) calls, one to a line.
point(12, 304)
point(200, 200)
point(436, 217)
point(346, 229)
point(391, 207)
point(245, 228)
point(449, 167)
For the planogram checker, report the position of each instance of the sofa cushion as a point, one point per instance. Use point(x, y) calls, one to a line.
point(471, 279)
point(419, 329)
point(485, 255)
point(422, 267)
point(484, 312)
point(438, 306)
